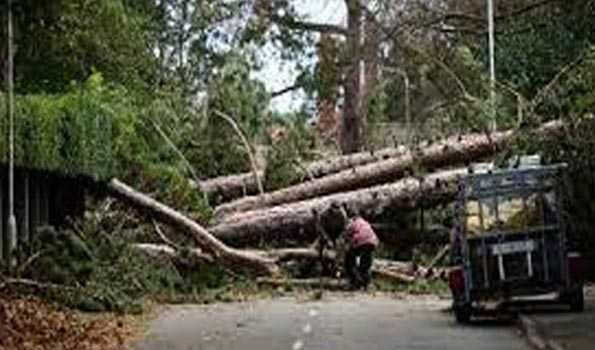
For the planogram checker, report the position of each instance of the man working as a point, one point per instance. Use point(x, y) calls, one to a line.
point(330, 225)
point(362, 241)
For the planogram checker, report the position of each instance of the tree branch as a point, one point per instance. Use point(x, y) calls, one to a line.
point(237, 129)
point(292, 23)
point(285, 90)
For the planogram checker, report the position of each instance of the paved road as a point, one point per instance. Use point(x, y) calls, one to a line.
point(346, 323)
point(570, 330)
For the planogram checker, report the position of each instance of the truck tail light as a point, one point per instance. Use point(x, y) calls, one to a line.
point(577, 267)
point(456, 280)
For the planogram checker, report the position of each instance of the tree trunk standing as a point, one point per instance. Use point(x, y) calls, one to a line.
point(351, 126)
point(3, 50)
point(371, 69)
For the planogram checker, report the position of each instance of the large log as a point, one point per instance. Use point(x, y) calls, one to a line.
point(335, 284)
point(230, 258)
point(449, 152)
point(307, 283)
point(295, 222)
point(225, 188)
point(391, 270)
point(230, 187)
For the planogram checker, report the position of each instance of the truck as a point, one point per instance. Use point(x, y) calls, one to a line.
point(509, 238)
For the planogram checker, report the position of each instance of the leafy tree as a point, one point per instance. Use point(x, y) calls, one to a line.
point(60, 41)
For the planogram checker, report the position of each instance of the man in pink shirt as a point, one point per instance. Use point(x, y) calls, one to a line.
point(362, 241)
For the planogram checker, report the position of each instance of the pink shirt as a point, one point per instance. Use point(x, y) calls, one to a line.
point(359, 233)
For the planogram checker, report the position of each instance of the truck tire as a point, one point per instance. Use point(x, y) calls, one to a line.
point(463, 313)
point(577, 300)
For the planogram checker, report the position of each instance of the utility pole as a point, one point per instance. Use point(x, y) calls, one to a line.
point(494, 124)
point(12, 223)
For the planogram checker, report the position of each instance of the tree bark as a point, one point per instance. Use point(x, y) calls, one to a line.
point(225, 188)
point(392, 275)
point(351, 126)
point(452, 151)
point(326, 283)
point(190, 257)
point(392, 270)
point(234, 186)
point(295, 222)
point(230, 258)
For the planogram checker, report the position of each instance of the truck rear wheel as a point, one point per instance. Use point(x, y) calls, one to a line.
point(577, 300)
point(463, 313)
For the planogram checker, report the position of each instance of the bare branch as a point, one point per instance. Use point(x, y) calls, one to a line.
point(546, 89)
point(285, 90)
point(247, 145)
point(29, 261)
point(32, 283)
point(173, 146)
point(292, 23)
point(163, 237)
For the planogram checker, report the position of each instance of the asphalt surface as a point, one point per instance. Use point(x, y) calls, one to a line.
point(571, 330)
point(355, 322)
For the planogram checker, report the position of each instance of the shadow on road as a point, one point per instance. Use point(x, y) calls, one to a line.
point(506, 314)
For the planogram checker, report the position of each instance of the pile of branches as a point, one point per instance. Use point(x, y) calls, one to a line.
point(370, 182)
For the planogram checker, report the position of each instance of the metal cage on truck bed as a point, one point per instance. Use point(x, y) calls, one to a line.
point(509, 237)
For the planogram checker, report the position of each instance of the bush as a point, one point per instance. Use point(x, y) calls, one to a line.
point(98, 269)
point(93, 130)
point(287, 156)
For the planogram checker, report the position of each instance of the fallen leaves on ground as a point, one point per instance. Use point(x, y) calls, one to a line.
point(29, 323)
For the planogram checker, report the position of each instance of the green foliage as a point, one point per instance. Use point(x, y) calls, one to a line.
point(97, 269)
point(210, 143)
point(572, 97)
point(62, 41)
point(171, 185)
point(533, 48)
point(286, 157)
point(101, 131)
point(92, 130)
point(234, 92)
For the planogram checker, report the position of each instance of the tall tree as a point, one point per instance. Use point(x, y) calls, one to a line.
point(283, 15)
point(63, 41)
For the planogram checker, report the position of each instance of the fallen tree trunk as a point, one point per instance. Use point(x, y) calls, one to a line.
point(392, 270)
point(161, 251)
point(295, 221)
point(407, 268)
point(464, 149)
point(392, 275)
point(195, 256)
point(334, 284)
point(230, 187)
point(233, 259)
point(326, 283)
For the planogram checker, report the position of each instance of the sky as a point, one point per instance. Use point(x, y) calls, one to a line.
point(276, 73)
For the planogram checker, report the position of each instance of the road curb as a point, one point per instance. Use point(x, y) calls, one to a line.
point(535, 336)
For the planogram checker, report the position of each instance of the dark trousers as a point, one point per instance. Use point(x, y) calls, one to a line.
point(358, 273)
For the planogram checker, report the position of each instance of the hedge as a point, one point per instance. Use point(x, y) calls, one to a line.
point(92, 130)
